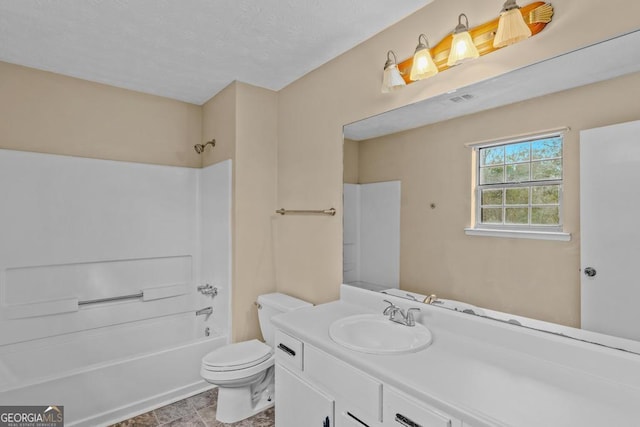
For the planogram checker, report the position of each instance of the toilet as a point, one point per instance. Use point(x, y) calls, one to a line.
point(244, 371)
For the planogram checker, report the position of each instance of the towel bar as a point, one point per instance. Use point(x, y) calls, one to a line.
point(330, 212)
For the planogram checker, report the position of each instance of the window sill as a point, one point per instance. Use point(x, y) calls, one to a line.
point(519, 234)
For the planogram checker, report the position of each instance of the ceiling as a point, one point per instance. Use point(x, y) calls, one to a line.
point(189, 49)
point(602, 61)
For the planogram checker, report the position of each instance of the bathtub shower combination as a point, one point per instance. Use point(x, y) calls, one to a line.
point(114, 282)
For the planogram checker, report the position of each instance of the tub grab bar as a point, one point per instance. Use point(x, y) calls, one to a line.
point(148, 294)
point(68, 305)
point(123, 297)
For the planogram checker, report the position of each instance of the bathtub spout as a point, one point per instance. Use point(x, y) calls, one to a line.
point(205, 311)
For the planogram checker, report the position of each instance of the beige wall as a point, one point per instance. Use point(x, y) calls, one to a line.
point(313, 110)
point(219, 122)
point(243, 120)
point(351, 161)
point(50, 113)
point(538, 279)
point(255, 204)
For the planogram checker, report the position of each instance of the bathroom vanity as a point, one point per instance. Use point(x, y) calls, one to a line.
point(475, 372)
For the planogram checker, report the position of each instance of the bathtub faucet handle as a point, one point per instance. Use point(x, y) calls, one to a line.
point(208, 290)
point(211, 291)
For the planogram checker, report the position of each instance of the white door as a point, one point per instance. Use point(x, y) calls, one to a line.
point(610, 229)
point(299, 404)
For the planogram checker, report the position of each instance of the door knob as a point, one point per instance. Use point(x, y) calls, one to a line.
point(590, 272)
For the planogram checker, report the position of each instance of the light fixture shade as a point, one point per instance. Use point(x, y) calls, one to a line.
point(423, 66)
point(462, 49)
point(391, 78)
point(511, 28)
point(462, 46)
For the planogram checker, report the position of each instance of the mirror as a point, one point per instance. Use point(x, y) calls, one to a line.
point(412, 243)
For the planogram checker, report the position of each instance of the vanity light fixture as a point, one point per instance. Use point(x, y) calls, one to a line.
point(391, 79)
point(511, 28)
point(515, 23)
point(423, 66)
point(462, 47)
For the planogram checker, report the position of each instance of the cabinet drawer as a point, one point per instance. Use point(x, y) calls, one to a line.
point(401, 410)
point(362, 392)
point(288, 351)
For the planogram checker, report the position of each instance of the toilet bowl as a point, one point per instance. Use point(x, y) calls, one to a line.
point(244, 371)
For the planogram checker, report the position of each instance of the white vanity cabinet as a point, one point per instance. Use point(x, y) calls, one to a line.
point(314, 388)
point(475, 373)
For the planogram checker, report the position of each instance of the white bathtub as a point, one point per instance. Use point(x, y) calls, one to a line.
point(109, 374)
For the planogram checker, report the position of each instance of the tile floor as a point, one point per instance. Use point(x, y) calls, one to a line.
point(195, 411)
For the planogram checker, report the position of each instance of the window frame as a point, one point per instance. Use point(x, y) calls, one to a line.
point(535, 231)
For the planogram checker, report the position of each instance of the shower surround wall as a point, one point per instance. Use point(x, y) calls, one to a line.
point(76, 229)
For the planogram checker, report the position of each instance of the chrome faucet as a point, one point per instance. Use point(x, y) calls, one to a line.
point(396, 314)
point(207, 310)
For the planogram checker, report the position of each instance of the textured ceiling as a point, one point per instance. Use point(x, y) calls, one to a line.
point(189, 49)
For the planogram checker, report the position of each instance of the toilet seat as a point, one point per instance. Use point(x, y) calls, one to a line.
point(238, 356)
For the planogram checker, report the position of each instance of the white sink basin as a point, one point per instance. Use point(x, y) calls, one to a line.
point(376, 334)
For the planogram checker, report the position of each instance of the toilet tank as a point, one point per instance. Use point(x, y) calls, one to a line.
point(271, 304)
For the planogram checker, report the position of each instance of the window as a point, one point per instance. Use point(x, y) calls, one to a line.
point(519, 185)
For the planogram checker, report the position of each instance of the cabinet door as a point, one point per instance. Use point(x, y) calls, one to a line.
point(298, 403)
point(357, 391)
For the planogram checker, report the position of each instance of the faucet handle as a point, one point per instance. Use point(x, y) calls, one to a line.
point(410, 319)
point(390, 308)
point(430, 299)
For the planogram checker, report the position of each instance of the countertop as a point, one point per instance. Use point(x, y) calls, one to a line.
point(478, 377)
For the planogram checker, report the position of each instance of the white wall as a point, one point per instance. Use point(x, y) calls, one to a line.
point(215, 241)
point(351, 238)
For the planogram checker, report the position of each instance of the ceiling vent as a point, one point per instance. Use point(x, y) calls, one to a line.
point(462, 98)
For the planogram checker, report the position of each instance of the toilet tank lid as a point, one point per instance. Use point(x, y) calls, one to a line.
point(282, 302)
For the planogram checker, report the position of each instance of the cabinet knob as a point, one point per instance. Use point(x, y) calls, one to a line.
point(590, 272)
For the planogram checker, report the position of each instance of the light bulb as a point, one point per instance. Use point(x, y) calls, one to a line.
point(391, 77)
point(423, 65)
point(462, 46)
